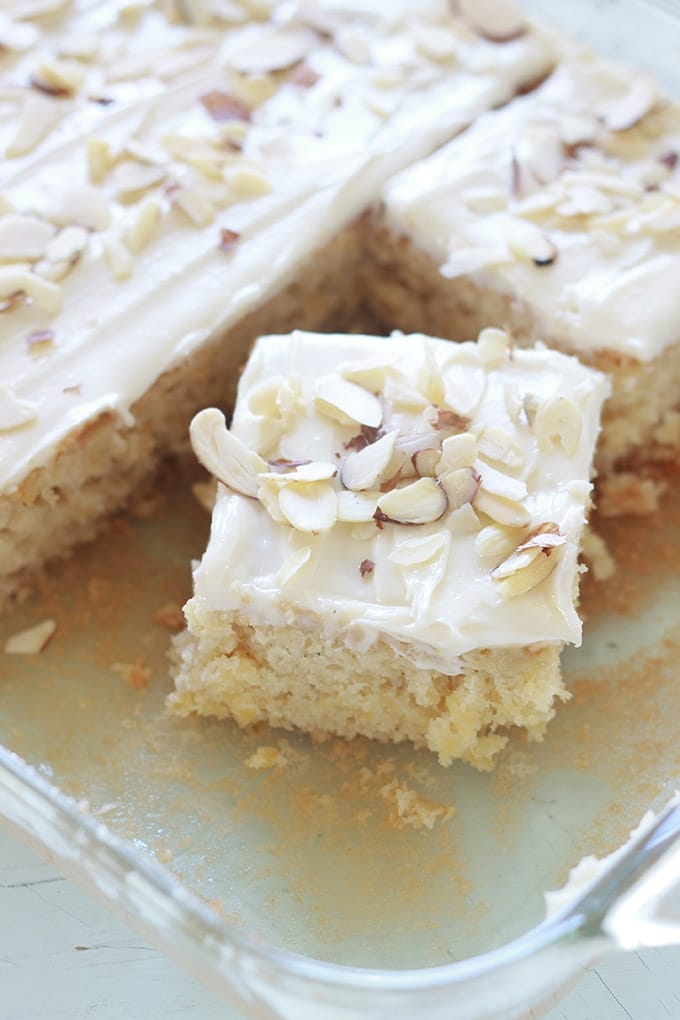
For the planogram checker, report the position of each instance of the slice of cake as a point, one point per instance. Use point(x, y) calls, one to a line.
point(394, 547)
point(172, 186)
point(559, 218)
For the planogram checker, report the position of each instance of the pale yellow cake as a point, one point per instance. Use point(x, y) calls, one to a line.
point(394, 547)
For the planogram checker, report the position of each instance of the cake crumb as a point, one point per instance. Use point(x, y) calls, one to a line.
point(137, 674)
point(596, 554)
point(628, 493)
point(32, 640)
point(266, 757)
point(407, 807)
point(170, 616)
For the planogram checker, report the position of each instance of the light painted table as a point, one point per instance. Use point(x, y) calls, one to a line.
point(64, 957)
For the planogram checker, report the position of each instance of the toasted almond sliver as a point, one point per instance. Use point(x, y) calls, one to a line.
point(413, 551)
point(68, 245)
point(497, 542)
point(223, 454)
point(309, 506)
point(346, 402)
point(363, 469)
point(417, 503)
point(38, 116)
point(118, 257)
point(31, 641)
point(501, 484)
point(369, 374)
point(144, 222)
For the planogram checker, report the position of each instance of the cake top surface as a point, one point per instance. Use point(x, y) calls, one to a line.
point(570, 199)
point(167, 166)
point(405, 487)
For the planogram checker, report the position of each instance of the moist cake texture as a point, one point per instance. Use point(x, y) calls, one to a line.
point(558, 217)
point(395, 540)
point(175, 180)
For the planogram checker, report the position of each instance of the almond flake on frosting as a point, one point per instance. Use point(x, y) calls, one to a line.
point(309, 506)
point(628, 110)
point(224, 455)
point(460, 485)
point(223, 106)
point(357, 507)
point(419, 502)
point(78, 204)
point(497, 20)
point(19, 280)
point(14, 413)
point(363, 469)
point(414, 551)
point(558, 422)
point(276, 51)
point(23, 238)
point(143, 224)
point(39, 115)
point(531, 563)
point(31, 641)
point(293, 565)
point(346, 402)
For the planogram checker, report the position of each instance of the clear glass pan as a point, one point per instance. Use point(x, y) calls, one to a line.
point(297, 891)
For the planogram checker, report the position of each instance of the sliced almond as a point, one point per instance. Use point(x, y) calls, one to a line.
point(118, 257)
point(144, 222)
point(435, 42)
point(23, 238)
point(558, 422)
point(18, 280)
point(497, 20)
point(223, 106)
point(363, 469)
point(414, 551)
point(425, 462)
point(293, 565)
point(68, 245)
point(497, 542)
point(79, 204)
point(14, 412)
point(429, 379)
point(309, 471)
point(531, 562)
point(273, 51)
point(628, 110)
point(417, 503)
point(268, 495)
point(247, 181)
point(504, 511)
point(223, 454)
point(131, 178)
point(357, 507)
point(39, 115)
point(194, 203)
point(499, 446)
point(458, 451)
point(62, 77)
point(532, 244)
point(31, 641)
point(460, 485)
point(465, 385)
point(493, 346)
point(369, 374)
point(309, 506)
point(347, 403)
point(501, 484)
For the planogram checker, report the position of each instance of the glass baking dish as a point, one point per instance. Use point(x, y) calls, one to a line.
point(297, 889)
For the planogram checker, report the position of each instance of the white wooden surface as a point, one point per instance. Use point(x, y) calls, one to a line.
point(64, 957)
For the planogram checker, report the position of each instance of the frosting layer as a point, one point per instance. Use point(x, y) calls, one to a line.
point(496, 566)
point(163, 176)
point(567, 199)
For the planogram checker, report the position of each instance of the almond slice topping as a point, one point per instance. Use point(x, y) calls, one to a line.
point(23, 238)
point(419, 502)
point(413, 551)
point(292, 473)
point(461, 486)
point(14, 413)
point(357, 507)
point(532, 562)
point(346, 402)
point(625, 112)
point(223, 454)
point(497, 20)
point(309, 506)
point(363, 469)
point(458, 451)
point(558, 422)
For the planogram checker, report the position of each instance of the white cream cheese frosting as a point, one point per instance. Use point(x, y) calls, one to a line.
point(508, 435)
point(167, 167)
point(568, 200)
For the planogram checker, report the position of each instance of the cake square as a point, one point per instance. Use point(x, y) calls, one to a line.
point(394, 545)
point(556, 217)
